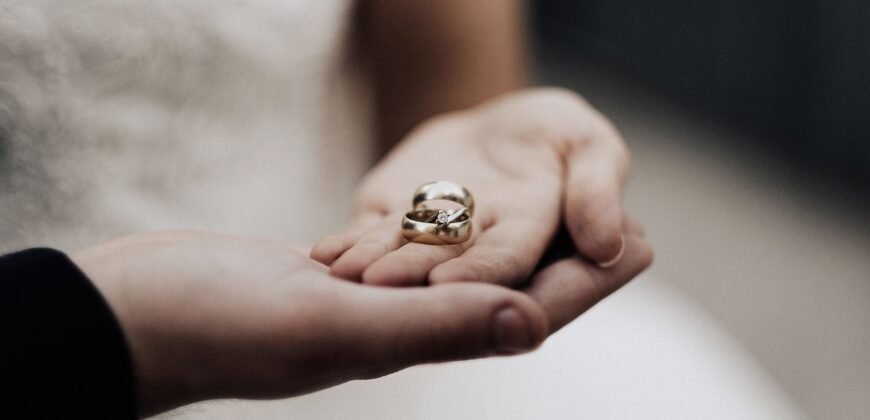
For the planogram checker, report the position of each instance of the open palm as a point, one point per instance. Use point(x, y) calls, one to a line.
point(529, 159)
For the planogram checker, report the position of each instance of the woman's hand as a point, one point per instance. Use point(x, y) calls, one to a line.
point(213, 316)
point(531, 159)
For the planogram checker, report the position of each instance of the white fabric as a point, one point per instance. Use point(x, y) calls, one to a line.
point(127, 115)
point(248, 116)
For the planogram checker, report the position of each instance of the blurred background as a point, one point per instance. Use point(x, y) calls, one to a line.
point(749, 123)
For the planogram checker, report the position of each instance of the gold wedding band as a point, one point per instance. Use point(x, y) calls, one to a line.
point(416, 229)
point(444, 190)
point(439, 226)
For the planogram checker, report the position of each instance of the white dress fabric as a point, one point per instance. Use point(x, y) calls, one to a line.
point(250, 117)
point(128, 115)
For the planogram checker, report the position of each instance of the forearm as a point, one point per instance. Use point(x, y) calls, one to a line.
point(435, 57)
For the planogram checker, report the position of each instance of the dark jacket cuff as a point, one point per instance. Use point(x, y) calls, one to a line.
point(64, 353)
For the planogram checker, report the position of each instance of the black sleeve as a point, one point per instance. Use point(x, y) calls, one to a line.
point(63, 354)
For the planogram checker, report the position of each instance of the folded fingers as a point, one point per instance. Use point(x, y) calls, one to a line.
point(349, 254)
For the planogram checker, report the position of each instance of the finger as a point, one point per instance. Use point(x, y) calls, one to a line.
point(378, 241)
point(597, 170)
point(404, 327)
point(571, 286)
point(330, 247)
point(410, 264)
point(504, 254)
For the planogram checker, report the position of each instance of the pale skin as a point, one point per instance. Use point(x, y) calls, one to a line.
point(463, 55)
point(530, 159)
point(215, 316)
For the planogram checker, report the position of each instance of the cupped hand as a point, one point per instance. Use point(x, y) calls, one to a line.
point(531, 159)
point(213, 316)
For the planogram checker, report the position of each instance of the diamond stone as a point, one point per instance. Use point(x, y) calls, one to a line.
point(442, 217)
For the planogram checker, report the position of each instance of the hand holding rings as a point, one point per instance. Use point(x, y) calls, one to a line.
point(439, 226)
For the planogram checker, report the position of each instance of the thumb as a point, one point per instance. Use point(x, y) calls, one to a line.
point(454, 321)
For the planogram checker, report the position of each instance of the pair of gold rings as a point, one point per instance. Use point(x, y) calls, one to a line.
point(435, 226)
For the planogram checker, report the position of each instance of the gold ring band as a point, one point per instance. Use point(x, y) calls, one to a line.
point(444, 190)
point(439, 226)
point(417, 228)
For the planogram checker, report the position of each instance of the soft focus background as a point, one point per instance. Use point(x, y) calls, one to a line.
point(749, 123)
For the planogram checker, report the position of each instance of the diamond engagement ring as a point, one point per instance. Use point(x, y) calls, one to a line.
point(439, 226)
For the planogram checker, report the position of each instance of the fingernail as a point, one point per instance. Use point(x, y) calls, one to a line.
point(611, 263)
point(511, 332)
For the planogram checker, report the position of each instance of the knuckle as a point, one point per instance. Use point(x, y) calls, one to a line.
point(503, 265)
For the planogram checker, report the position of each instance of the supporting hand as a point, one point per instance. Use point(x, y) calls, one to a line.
point(213, 316)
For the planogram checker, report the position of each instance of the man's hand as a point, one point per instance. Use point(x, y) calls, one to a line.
point(213, 316)
point(531, 159)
